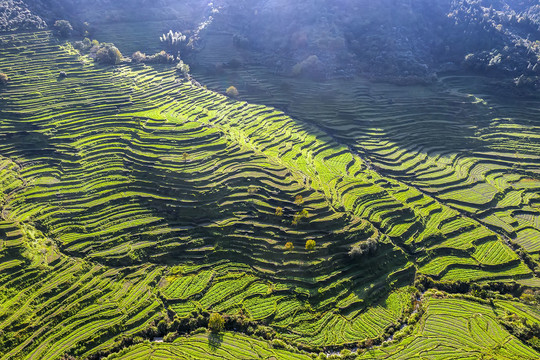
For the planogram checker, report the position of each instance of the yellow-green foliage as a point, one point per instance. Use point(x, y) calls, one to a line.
point(232, 91)
point(108, 54)
point(216, 323)
point(310, 245)
point(3, 79)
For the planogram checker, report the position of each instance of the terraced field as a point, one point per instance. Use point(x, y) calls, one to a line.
point(456, 329)
point(462, 143)
point(130, 197)
point(203, 346)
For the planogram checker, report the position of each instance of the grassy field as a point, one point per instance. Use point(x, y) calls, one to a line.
point(131, 199)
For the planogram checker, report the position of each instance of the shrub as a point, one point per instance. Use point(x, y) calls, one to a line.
point(278, 343)
point(183, 68)
point(299, 216)
point(310, 245)
point(232, 91)
point(365, 247)
point(170, 337)
point(289, 246)
point(160, 58)
point(108, 54)
point(311, 67)
point(84, 45)
point(138, 57)
point(62, 28)
point(3, 79)
point(200, 330)
point(304, 213)
point(216, 323)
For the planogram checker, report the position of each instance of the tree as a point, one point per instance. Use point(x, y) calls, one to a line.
point(62, 28)
point(108, 54)
point(175, 41)
point(279, 211)
point(162, 327)
point(185, 156)
point(299, 216)
point(252, 189)
point(232, 92)
point(310, 245)
point(3, 79)
point(298, 200)
point(289, 246)
point(216, 323)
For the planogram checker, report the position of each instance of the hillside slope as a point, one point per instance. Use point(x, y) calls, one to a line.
point(134, 204)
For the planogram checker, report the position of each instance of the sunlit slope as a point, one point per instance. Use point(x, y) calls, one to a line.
point(116, 180)
point(53, 304)
point(127, 169)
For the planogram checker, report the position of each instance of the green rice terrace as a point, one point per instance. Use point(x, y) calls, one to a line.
point(368, 221)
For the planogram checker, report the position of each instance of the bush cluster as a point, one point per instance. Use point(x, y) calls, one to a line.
point(158, 58)
point(200, 321)
point(103, 53)
point(107, 54)
point(365, 247)
point(84, 45)
point(483, 291)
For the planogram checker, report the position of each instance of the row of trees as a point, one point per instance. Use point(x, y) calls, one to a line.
point(310, 245)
